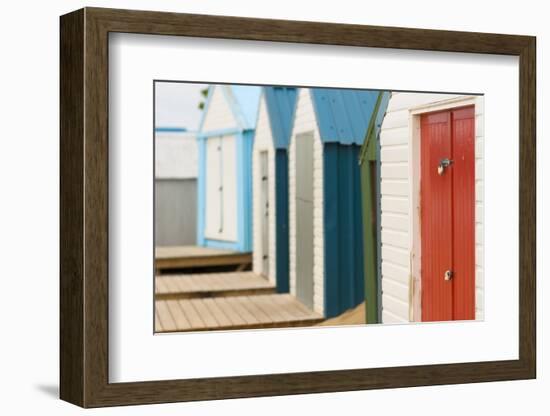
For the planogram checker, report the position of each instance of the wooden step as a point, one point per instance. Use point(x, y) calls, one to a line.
point(232, 312)
point(185, 257)
point(204, 285)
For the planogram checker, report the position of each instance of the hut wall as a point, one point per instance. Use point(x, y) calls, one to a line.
point(305, 122)
point(263, 142)
point(175, 188)
point(343, 229)
point(220, 115)
point(400, 281)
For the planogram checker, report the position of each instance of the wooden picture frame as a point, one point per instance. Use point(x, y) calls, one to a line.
point(84, 207)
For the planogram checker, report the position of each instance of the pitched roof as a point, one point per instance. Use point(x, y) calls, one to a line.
point(243, 100)
point(247, 100)
point(281, 105)
point(343, 115)
point(374, 126)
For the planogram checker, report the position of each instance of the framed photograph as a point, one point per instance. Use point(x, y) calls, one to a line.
point(256, 207)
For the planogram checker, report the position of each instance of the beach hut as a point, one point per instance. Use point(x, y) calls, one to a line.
point(432, 207)
point(225, 141)
point(369, 159)
point(325, 238)
point(175, 186)
point(270, 185)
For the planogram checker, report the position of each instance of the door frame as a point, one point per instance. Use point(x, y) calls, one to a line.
point(415, 243)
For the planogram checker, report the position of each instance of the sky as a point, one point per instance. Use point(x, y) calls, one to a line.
point(177, 104)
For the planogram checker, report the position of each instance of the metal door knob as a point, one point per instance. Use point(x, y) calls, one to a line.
point(443, 164)
point(448, 275)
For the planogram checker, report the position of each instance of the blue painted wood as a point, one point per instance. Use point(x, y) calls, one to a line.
point(344, 282)
point(224, 245)
point(331, 215)
point(170, 130)
point(245, 143)
point(219, 132)
point(245, 102)
point(281, 209)
point(343, 115)
point(201, 191)
point(281, 106)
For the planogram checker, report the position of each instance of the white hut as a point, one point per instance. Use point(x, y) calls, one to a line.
point(432, 208)
point(270, 185)
point(175, 187)
point(225, 140)
point(325, 237)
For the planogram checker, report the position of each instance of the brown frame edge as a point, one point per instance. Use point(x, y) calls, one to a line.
point(84, 207)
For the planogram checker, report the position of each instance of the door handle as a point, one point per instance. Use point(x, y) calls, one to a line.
point(448, 275)
point(443, 164)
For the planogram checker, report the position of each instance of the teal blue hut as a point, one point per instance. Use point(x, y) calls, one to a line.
point(270, 185)
point(325, 212)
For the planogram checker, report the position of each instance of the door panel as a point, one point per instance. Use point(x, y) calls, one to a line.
point(304, 218)
point(464, 213)
point(448, 215)
point(221, 188)
point(436, 206)
point(214, 190)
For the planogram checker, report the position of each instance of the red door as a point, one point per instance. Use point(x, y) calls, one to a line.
point(448, 215)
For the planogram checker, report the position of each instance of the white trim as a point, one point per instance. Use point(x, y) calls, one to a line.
point(444, 105)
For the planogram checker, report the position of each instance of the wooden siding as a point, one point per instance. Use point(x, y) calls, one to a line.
point(396, 238)
point(305, 122)
point(263, 142)
point(219, 116)
point(175, 212)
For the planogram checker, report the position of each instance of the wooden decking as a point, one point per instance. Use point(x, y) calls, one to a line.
point(205, 285)
point(234, 312)
point(355, 316)
point(184, 257)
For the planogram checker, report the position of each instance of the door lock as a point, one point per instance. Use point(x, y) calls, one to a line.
point(443, 164)
point(448, 275)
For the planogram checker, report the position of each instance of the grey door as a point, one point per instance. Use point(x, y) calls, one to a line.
point(304, 218)
point(265, 212)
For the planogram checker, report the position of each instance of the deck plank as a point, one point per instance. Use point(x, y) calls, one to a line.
point(194, 319)
point(211, 284)
point(165, 317)
point(163, 252)
point(221, 315)
point(158, 323)
point(171, 284)
point(289, 307)
point(178, 314)
point(182, 257)
point(233, 312)
point(206, 315)
point(271, 311)
point(160, 285)
point(255, 309)
point(271, 301)
point(237, 305)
